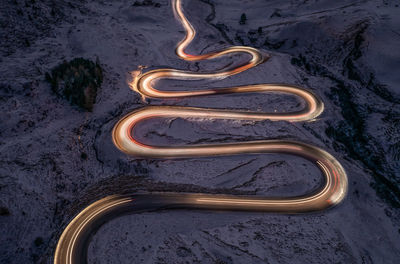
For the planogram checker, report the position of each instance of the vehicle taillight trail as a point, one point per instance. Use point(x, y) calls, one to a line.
point(72, 245)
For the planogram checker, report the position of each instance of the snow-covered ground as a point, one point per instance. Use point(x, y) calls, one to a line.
point(55, 158)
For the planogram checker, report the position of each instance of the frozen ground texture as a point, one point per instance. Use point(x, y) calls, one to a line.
point(55, 159)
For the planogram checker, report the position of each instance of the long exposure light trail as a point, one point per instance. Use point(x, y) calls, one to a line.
point(72, 245)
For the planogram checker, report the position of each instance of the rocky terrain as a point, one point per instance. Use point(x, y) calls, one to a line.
point(56, 158)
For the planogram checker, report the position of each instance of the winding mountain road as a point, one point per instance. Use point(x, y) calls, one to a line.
point(72, 245)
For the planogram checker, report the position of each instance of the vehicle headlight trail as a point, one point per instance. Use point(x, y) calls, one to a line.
point(72, 245)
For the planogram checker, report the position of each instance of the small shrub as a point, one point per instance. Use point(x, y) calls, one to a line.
point(77, 81)
point(4, 211)
point(146, 3)
point(38, 241)
point(243, 19)
point(84, 156)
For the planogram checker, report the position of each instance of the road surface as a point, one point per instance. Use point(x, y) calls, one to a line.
point(72, 245)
